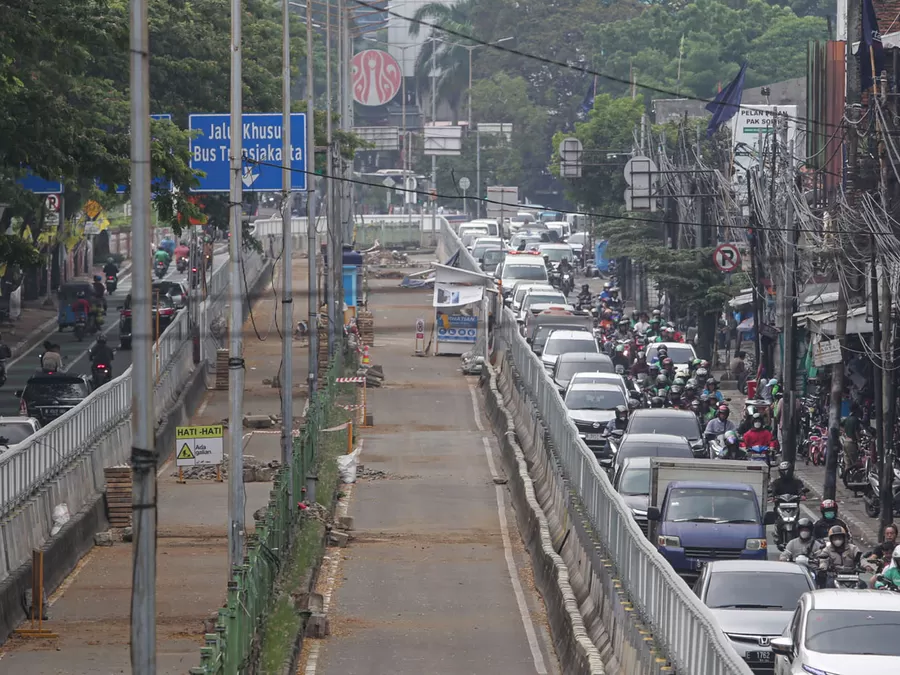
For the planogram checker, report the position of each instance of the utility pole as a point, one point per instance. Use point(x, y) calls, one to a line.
point(346, 121)
point(789, 365)
point(434, 126)
point(311, 246)
point(333, 224)
point(889, 381)
point(143, 453)
point(235, 338)
point(287, 238)
point(754, 265)
point(877, 362)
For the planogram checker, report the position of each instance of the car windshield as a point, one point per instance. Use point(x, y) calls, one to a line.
point(635, 482)
point(493, 256)
point(568, 369)
point(676, 425)
point(640, 449)
point(679, 354)
point(565, 345)
point(37, 391)
point(585, 399)
point(756, 590)
point(557, 254)
point(544, 299)
point(526, 272)
point(711, 505)
point(14, 432)
point(853, 631)
point(481, 248)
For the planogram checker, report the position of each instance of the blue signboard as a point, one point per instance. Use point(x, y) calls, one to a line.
point(158, 183)
point(39, 186)
point(456, 328)
point(262, 151)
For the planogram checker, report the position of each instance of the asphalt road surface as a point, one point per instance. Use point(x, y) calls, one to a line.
point(74, 353)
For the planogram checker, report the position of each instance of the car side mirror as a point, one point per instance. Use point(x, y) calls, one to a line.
point(769, 518)
point(17, 393)
point(653, 513)
point(782, 646)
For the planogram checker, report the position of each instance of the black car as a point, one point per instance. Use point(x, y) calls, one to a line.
point(651, 445)
point(164, 312)
point(47, 397)
point(669, 421)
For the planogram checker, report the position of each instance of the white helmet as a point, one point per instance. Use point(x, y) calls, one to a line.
point(801, 560)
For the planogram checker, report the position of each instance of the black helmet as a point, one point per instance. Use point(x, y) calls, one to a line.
point(621, 412)
point(585, 287)
point(101, 339)
point(662, 349)
point(657, 402)
point(662, 380)
point(80, 294)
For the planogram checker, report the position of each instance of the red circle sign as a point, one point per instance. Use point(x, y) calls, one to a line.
point(727, 258)
point(376, 77)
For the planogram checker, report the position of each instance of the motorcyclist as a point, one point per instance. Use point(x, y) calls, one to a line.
point(624, 332)
point(839, 556)
point(657, 402)
point(803, 544)
point(712, 387)
point(676, 391)
point(100, 290)
point(719, 424)
point(584, 296)
point(705, 411)
point(641, 326)
point(661, 388)
point(668, 368)
point(640, 366)
point(619, 358)
point(892, 572)
point(81, 306)
point(564, 266)
point(51, 359)
point(619, 422)
point(731, 446)
point(662, 352)
point(758, 435)
point(696, 408)
point(110, 269)
point(786, 483)
point(690, 392)
point(605, 293)
point(829, 510)
point(101, 353)
point(161, 256)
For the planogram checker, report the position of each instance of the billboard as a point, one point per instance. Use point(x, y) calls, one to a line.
point(753, 136)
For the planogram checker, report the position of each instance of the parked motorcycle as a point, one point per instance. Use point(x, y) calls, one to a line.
point(787, 511)
point(872, 492)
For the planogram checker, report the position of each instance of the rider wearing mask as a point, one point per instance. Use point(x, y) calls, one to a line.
point(619, 422)
point(712, 388)
point(719, 424)
point(758, 435)
point(838, 557)
point(786, 483)
point(802, 544)
point(640, 367)
point(829, 510)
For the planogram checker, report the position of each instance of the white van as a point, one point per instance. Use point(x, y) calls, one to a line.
point(561, 227)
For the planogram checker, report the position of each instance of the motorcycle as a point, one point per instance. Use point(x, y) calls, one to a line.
point(181, 264)
point(566, 283)
point(111, 284)
point(101, 374)
point(160, 269)
point(888, 584)
point(758, 453)
point(787, 511)
point(719, 450)
point(80, 327)
point(872, 493)
point(855, 478)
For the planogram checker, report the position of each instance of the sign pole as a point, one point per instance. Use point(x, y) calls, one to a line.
point(287, 238)
point(313, 309)
point(235, 360)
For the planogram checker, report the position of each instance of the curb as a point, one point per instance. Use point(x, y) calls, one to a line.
point(38, 334)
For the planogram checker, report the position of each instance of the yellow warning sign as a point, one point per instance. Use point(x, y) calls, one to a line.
point(212, 431)
point(92, 209)
point(186, 452)
point(199, 445)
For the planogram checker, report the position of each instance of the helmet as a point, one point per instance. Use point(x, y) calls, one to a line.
point(606, 286)
point(691, 384)
point(80, 294)
point(773, 381)
point(654, 368)
point(785, 469)
point(731, 438)
point(620, 349)
point(679, 381)
point(662, 380)
point(97, 277)
point(624, 322)
point(585, 288)
point(711, 382)
point(656, 314)
point(654, 321)
point(723, 410)
point(695, 405)
point(839, 533)
point(896, 554)
point(110, 261)
point(676, 389)
point(101, 339)
point(828, 506)
point(704, 364)
point(656, 402)
point(668, 362)
point(804, 524)
point(662, 350)
point(695, 363)
point(757, 421)
point(702, 374)
point(621, 412)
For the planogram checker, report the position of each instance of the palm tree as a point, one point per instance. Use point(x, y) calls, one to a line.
point(451, 58)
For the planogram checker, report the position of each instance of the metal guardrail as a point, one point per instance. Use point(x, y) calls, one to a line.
point(27, 466)
point(680, 622)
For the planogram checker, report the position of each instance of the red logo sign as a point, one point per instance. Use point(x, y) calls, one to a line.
point(376, 77)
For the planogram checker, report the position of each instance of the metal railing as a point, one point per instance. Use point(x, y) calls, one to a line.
point(680, 622)
point(27, 466)
point(252, 584)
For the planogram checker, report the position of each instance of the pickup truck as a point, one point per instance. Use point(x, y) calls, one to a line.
point(703, 510)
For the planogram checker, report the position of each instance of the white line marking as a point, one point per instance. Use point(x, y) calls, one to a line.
point(530, 633)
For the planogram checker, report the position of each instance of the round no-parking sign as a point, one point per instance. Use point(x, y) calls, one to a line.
point(727, 258)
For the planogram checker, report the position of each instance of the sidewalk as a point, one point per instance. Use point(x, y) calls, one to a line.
point(90, 611)
point(435, 578)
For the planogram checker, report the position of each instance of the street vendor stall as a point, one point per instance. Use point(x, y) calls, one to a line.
point(460, 310)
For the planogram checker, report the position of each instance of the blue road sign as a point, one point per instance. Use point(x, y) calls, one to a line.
point(262, 151)
point(39, 186)
point(158, 183)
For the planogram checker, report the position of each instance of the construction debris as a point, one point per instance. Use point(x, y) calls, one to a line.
point(255, 471)
point(472, 364)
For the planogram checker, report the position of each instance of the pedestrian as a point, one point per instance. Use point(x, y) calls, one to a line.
point(738, 369)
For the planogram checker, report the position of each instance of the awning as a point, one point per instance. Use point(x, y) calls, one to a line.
point(825, 323)
point(742, 300)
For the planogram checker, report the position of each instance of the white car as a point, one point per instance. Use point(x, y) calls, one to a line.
point(15, 429)
point(538, 300)
point(518, 267)
point(588, 377)
point(681, 353)
point(565, 341)
point(556, 252)
point(841, 632)
point(590, 402)
point(522, 288)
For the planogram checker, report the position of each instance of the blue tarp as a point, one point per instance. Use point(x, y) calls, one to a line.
point(600, 261)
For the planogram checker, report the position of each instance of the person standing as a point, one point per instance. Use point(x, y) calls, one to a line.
point(738, 368)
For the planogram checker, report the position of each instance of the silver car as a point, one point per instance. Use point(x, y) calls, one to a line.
point(841, 632)
point(752, 601)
